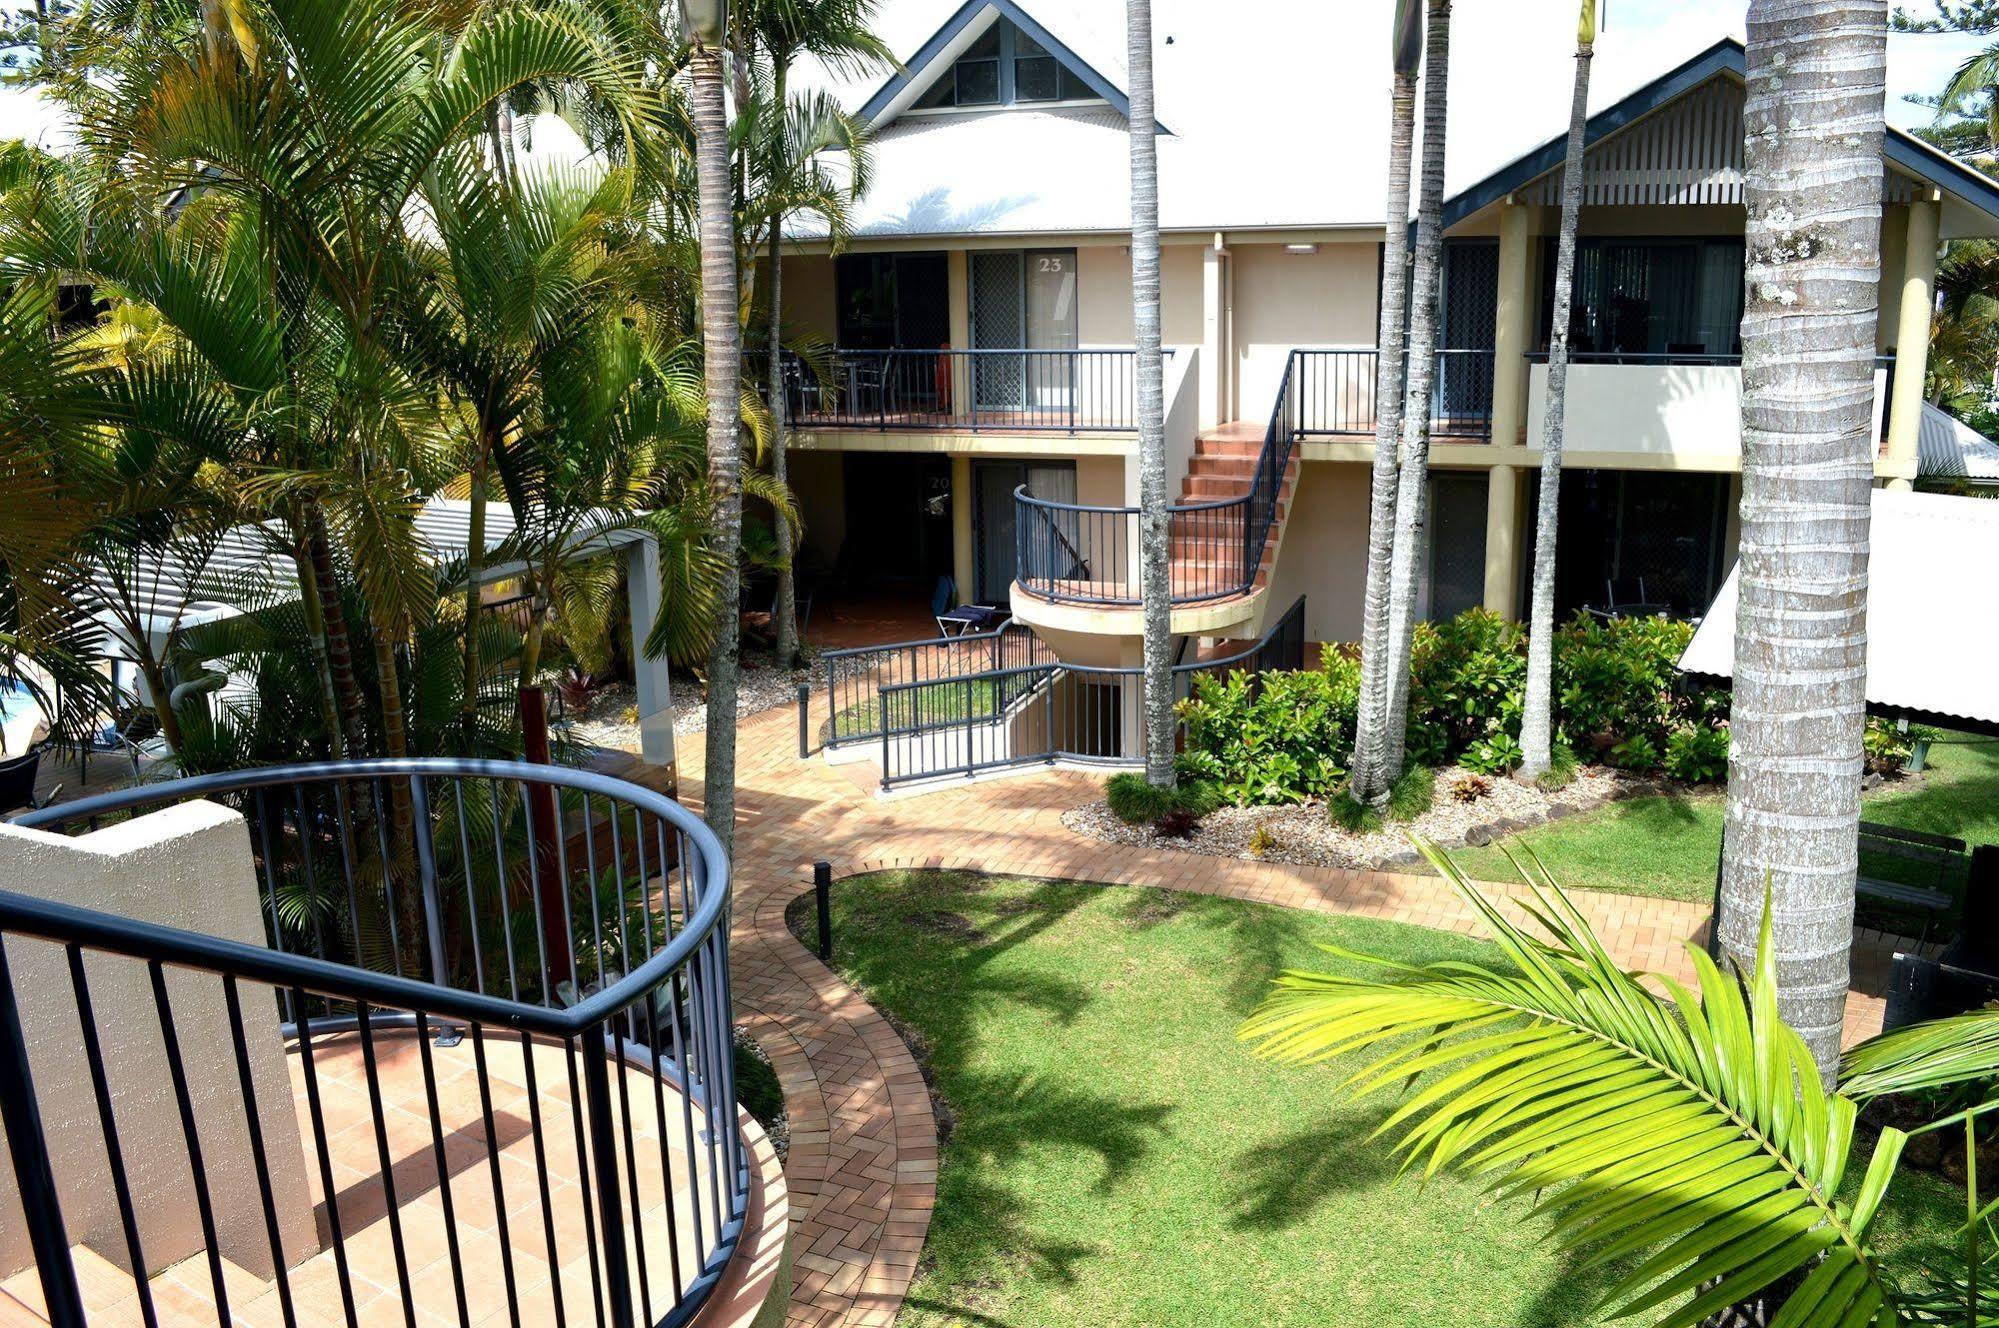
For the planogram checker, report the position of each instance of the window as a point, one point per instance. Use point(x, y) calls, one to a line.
point(1652, 298)
point(1002, 67)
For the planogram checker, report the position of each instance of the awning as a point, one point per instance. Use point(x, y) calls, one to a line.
point(1932, 612)
point(1948, 448)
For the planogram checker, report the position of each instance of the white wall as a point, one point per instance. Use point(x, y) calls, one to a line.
point(1282, 300)
point(1683, 410)
point(188, 866)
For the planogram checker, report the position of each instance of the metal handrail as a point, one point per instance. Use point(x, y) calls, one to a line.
point(1239, 525)
point(666, 1013)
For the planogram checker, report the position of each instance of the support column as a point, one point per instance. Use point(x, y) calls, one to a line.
point(655, 698)
point(961, 527)
point(1214, 326)
point(1502, 541)
point(1513, 326)
point(1513, 334)
point(958, 296)
point(1912, 336)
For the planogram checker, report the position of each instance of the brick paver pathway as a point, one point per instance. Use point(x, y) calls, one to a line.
point(863, 1165)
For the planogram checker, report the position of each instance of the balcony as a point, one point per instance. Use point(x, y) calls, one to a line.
point(971, 391)
point(1334, 391)
point(1674, 410)
point(453, 1044)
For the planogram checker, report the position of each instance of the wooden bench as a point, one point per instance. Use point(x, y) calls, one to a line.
point(1937, 856)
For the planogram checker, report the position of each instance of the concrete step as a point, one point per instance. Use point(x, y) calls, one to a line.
point(1221, 465)
point(1227, 447)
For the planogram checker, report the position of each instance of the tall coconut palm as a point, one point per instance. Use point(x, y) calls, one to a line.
point(1413, 463)
point(1368, 766)
point(721, 341)
point(1537, 726)
point(1814, 124)
point(1155, 575)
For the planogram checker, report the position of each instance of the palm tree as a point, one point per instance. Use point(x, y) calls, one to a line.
point(1413, 464)
point(1685, 1141)
point(1369, 773)
point(1814, 125)
point(721, 341)
point(837, 33)
point(1537, 725)
point(1155, 576)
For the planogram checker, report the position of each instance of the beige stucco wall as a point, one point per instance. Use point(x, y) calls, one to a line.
point(1323, 555)
point(1284, 300)
point(187, 866)
point(1103, 295)
point(811, 299)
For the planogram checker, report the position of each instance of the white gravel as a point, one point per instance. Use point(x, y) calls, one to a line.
point(611, 719)
point(1305, 836)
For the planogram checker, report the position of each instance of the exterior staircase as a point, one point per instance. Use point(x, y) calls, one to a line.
point(1207, 545)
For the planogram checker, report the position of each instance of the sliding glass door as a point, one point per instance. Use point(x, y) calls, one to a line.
point(994, 552)
point(1024, 299)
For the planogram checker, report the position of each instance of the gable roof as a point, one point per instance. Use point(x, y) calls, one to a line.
point(1726, 59)
point(935, 56)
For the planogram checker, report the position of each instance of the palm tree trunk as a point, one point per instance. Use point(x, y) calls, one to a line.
point(339, 654)
point(1413, 481)
point(1367, 771)
point(315, 630)
point(780, 468)
point(1813, 122)
point(475, 563)
point(1154, 519)
point(162, 694)
point(721, 336)
point(1537, 721)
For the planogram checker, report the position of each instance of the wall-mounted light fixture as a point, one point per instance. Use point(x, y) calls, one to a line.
point(1301, 248)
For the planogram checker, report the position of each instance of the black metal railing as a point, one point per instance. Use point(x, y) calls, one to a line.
point(1072, 553)
point(855, 678)
point(1336, 392)
point(1025, 390)
point(569, 926)
point(1041, 714)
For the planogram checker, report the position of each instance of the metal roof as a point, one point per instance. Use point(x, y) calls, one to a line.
point(1932, 611)
point(1948, 448)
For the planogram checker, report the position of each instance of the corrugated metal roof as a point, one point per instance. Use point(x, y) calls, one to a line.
point(1932, 609)
point(1948, 448)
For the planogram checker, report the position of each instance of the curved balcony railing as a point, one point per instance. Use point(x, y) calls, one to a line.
point(1071, 553)
point(503, 996)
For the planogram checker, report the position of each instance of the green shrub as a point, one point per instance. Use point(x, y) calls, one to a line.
point(1467, 676)
point(1351, 814)
point(1637, 752)
point(1413, 794)
point(1280, 739)
point(1136, 802)
point(1697, 755)
point(1885, 748)
point(1499, 754)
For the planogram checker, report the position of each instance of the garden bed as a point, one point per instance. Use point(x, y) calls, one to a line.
point(610, 718)
point(1305, 835)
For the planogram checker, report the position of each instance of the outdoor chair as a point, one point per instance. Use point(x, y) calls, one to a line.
point(17, 782)
point(964, 619)
point(1934, 861)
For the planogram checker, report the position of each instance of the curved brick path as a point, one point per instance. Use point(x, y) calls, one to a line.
point(863, 1166)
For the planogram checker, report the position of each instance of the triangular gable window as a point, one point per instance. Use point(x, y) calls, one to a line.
point(1003, 67)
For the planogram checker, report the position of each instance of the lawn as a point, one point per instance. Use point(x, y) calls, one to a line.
point(1667, 846)
point(935, 703)
point(1115, 1157)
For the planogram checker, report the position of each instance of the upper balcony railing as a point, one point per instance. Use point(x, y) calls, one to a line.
point(569, 926)
point(1071, 553)
point(1336, 392)
point(1020, 391)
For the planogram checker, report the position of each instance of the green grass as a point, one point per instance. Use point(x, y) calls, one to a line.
point(1667, 846)
point(1117, 1158)
point(938, 702)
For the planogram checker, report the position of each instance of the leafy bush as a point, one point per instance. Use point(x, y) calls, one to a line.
point(1499, 754)
point(1136, 802)
point(1278, 738)
point(1619, 697)
point(1885, 749)
point(1262, 842)
point(1697, 755)
point(1180, 823)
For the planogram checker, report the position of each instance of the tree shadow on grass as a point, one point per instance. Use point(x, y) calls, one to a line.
point(1279, 1184)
